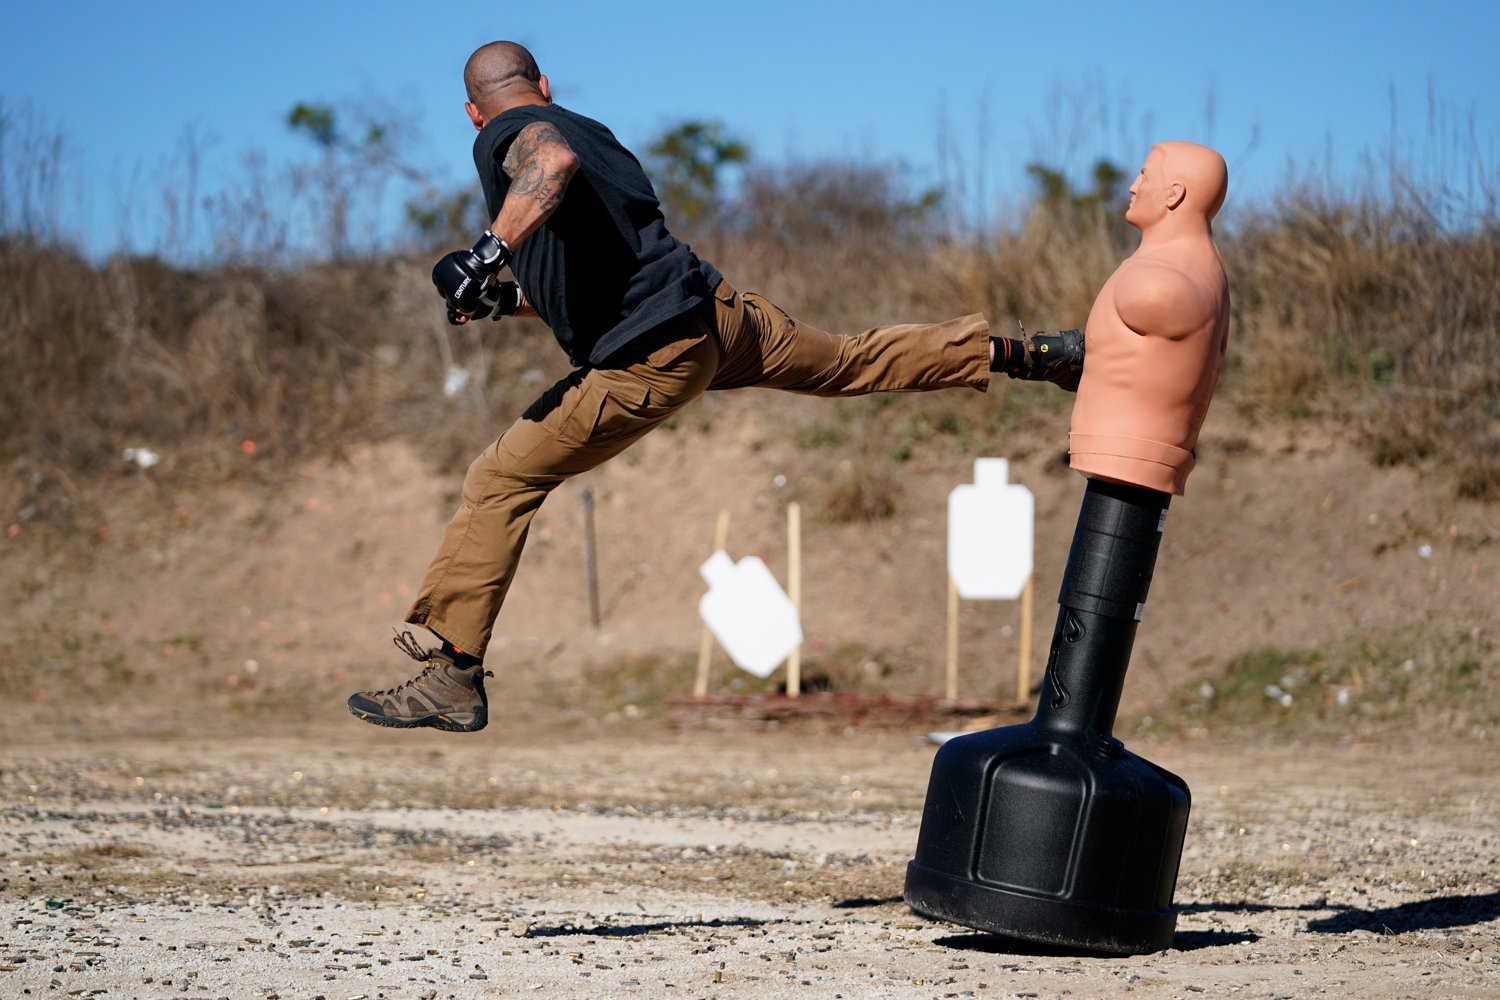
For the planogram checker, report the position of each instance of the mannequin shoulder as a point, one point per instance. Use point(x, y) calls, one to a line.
point(1156, 297)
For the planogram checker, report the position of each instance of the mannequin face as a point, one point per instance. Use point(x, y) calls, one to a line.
point(1152, 197)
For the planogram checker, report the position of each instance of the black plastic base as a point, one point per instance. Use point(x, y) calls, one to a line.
point(1056, 922)
point(1051, 840)
point(1051, 831)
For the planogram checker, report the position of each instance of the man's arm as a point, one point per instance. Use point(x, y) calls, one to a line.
point(540, 164)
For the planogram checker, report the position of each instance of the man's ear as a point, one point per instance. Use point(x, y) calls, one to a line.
point(1175, 193)
point(544, 86)
point(475, 115)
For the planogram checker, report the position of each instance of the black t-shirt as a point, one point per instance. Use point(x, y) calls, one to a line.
point(602, 270)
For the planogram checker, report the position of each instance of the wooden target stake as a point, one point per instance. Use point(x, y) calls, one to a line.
point(1023, 672)
point(706, 643)
point(794, 591)
point(951, 690)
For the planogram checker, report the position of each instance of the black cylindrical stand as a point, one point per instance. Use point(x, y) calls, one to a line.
point(1051, 831)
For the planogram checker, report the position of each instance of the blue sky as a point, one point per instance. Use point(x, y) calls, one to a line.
point(1006, 83)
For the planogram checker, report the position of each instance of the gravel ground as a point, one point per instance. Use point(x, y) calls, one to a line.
point(727, 862)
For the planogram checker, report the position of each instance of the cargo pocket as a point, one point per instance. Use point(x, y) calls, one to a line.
point(610, 409)
point(664, 356)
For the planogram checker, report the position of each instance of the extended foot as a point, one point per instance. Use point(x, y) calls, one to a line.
point(444, 695)
point(1042, 357)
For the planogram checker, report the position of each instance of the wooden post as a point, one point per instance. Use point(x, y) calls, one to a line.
point(1023, 674)
point(794, 591)
point(952, 686)
point(590, 560)
point(706, 643)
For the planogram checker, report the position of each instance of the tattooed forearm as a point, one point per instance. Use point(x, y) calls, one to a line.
point(540, 164)
point(545, 188)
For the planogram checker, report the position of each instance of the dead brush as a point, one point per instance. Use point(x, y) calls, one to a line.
point(205, 366)
point(1375, 306)
point(1363, 308)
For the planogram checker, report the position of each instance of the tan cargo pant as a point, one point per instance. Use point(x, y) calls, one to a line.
point(594, 414)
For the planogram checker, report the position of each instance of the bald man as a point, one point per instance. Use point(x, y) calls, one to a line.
point(1158, 329)
point(647, 324)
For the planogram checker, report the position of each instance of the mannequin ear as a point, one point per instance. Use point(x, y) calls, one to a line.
point(1175, 193)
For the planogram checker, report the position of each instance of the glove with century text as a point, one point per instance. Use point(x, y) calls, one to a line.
point(467, 278)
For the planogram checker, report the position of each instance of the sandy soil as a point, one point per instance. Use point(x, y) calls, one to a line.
point(1288, 538)
point(712, 860)
point(187, 809)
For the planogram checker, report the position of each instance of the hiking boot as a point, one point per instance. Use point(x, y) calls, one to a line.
point(444, 695)
point(1044, 357)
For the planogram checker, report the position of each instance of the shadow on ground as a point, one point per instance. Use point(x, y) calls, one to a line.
point(864, 902)
point(636, 930)
point(1197, 940)
point(1423, 915)
point(999, 944)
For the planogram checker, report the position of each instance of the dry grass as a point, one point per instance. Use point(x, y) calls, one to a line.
point(233, 371)
point(1356, 686)
point(1372, 306)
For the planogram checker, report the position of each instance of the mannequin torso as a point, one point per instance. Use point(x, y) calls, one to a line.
point(1155, 346)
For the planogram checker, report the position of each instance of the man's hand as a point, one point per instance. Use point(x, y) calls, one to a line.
point(466, 278)
point(503, 297)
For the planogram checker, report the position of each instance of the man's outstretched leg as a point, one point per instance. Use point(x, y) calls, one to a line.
point(584, 420)
point(766, 347)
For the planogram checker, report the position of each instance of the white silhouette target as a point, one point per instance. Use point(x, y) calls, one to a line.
point(990, 528)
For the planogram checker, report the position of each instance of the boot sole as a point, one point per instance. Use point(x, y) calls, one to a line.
point(443, 722)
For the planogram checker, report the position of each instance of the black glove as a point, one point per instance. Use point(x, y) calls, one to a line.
point(507, 298)
point(501, 299)
point(1043, 357)
point(464, 277)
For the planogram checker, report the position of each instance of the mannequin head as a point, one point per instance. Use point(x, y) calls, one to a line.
point(1181, 183)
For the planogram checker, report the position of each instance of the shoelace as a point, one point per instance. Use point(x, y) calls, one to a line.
point(407, 643)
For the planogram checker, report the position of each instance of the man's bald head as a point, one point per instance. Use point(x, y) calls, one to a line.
point(499, 74)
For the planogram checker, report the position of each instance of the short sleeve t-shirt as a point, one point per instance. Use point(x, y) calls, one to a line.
point(603, 269)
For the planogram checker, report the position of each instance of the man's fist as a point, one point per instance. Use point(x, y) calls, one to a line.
point(503, 298)
point(466, 278)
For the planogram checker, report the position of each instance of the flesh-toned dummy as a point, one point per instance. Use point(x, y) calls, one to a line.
point(1156, 334)
point(1052, 831)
